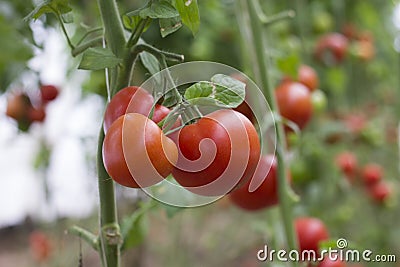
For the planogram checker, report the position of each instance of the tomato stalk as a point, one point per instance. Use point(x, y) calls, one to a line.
point(261, 72)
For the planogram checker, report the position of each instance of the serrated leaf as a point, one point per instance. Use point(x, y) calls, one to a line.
point(49, 6)
point(98, 58)
point(169, 25)
point(222, 91)
point(189, 12)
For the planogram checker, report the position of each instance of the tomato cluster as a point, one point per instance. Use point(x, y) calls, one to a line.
point(25, 109)
point(370, 175)
point(210, 156)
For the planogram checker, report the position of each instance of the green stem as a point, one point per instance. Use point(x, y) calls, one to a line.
point(90, 238)
point(88, 33)
point(263, 77)
point(138, 32)
point(302, 27)
point(289, 14)
point(82, 47)
point(63, 28)
point(110, 237)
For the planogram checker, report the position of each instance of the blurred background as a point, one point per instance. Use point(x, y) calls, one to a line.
point(47, 160)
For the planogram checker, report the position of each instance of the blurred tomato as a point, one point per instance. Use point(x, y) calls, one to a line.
point(310, 232)
point(308, 76)
point(379, 192)
point(331, 48)
point(347, 163)
point(40, 246)
point(48, 93)
point(371, 173)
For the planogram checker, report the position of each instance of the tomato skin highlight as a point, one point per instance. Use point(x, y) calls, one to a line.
point(294, 102)
point(131, 99)
point(266, 194)
point(310, 232)
point(217, 153)
point(136, 153)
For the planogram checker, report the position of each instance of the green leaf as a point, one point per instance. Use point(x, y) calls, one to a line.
point(98, 58)
point(150, 62)
point(169, 25)
point(222, 91)
point(289, 64)
point(49, 6)
point(189, 12)
point(156, 10)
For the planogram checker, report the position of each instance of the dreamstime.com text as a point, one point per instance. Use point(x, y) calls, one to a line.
point(341, 253)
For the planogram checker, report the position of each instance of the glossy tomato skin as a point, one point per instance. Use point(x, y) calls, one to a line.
point(217, 153)
point(131, 99)
point(136, 153)
point(294, 102)
point(371, 174)
point(266, 194)
point(310, 232)
point(48, 93)
point(309, 77)
point(332, 48)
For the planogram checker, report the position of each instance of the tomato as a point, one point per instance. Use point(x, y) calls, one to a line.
point(364, 50)
point(308, 76)
point(328, 262)
point(294, 102)
point(379, 192)
point(347, 163)
point(136, 153)
point(266, 194)
point(18, 106)
point(48, 93)
point(37, 114)
point(331, 48)
point(131, 99)
point(356, 123)
point(350, 31)
point(371, 174)
point(217, 153)
point(40, 246)
point(310, 232)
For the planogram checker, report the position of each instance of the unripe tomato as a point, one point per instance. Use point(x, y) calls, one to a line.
point(347, 163)
point(364, 50)
point(18, 106)
point(319, 101)
point(48, 93)
point(131, 99)
point(40, 246)
point(379, 192)
point(136, 153)
point(217, 153)
point(294, 102)
point(310, 232)
point(263, 196)
point(371, 174)
point(331, 48)
point(37, 114)
point(308, 76)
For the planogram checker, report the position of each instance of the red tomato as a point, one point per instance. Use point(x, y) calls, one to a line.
point(327, 262)
point(131, 99)
point(372, 173)
point(349, 30)
point(356, 123)
point(18, 106)
point(217, 153)
point(40, 246)
point(310, 232)
point(379, 192)
point(347, 163)
point(266, 194)
point(294, 102)
point(309, 77)
point(37, 114)
point(136, 153)
point(48, 93)
point(331, 48)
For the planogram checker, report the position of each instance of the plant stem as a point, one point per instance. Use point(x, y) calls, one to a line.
point(263, 78)
point(82, 47)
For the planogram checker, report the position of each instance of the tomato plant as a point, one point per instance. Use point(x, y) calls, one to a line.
point(136, 153)
point(294, 102)
point(217, 153)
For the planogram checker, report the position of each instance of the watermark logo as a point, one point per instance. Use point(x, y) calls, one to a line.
point(342, 253)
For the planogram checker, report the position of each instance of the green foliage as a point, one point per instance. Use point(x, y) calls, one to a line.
point(57, 7)
point(98, 58)
point(189, 12)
